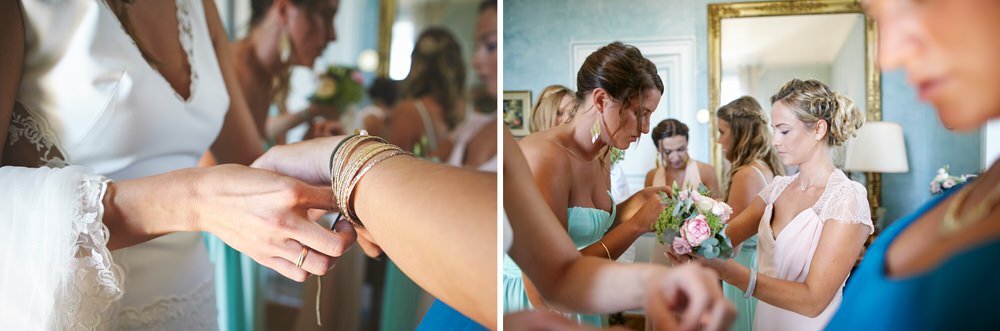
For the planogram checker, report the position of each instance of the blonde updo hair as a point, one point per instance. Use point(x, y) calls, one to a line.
point(813, 101)
point(544, 115)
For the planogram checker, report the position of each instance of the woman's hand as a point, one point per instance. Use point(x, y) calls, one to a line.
point(691, 293)
point(648, 213)
point(309, 161)
point(367, 243)
point(677, 259)
point(325, 128)
point(266, 216)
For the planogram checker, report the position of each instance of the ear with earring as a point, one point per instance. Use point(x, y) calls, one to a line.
point(595, 130)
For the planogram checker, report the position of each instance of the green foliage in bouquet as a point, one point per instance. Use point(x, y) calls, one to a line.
point(339, 87)
point(616, 155)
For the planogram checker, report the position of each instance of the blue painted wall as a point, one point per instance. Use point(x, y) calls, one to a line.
point(537, 35)
point(928, 147)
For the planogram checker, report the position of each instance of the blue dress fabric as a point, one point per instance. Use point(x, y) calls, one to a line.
point(442, 317)
point(959, 294)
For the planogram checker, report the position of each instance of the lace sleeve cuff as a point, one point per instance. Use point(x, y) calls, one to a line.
point(55, 240)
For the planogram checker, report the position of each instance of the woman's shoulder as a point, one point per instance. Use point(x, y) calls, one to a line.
point(405, 108)
point(781, 180)
point(542, 151)
point(747, 172)
point(704, 167)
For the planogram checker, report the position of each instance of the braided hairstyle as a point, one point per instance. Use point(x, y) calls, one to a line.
point(437, 70)
point(812, 101)
point(751, 138)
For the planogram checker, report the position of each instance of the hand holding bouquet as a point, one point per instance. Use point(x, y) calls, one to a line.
point(694, 223)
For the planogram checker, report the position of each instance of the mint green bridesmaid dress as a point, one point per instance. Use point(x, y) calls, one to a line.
point(585, 226)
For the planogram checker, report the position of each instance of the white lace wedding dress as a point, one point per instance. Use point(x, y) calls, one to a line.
point(92, 102)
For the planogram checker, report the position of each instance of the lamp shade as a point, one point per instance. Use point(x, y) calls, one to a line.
point(878, 147)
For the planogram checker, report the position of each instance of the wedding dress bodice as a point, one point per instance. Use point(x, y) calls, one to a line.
point(110, 111)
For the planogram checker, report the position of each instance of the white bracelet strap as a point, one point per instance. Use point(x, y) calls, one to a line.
point(751, 285)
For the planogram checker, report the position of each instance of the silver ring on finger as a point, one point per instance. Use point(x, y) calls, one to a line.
point(302, 257)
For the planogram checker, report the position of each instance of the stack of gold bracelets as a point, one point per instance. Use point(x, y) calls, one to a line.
point(347, 167)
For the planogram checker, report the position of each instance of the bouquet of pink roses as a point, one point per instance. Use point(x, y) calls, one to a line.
point(694, 223)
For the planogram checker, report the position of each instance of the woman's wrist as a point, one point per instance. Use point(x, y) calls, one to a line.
point(136, 210)
point(729, 271)
point(636, 227)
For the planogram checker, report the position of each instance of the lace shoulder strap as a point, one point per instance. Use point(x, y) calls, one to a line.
point(845, 201)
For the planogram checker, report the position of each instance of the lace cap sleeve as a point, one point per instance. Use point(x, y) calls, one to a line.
point(847, 202)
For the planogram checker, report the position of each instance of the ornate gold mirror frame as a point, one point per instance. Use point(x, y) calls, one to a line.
point(873, 84)
point(386, 17)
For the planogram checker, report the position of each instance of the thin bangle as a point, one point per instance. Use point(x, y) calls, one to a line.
point(606, 250)
point(352, 213)
point(341, 143)
point(751, 285)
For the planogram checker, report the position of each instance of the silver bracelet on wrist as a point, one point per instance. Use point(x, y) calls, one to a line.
point(751, 285)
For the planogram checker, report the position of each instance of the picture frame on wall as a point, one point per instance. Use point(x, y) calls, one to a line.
point(517, 112)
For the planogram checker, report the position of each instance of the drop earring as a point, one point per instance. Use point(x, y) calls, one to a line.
point(595, 130)
point(284, 48)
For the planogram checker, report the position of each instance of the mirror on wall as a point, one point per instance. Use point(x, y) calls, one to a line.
point(760, 54)
point(755, 47)
point(402, 21)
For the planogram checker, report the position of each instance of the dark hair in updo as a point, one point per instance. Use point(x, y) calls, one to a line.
point(668, 128)
point(259, 8)
point(619, 69)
